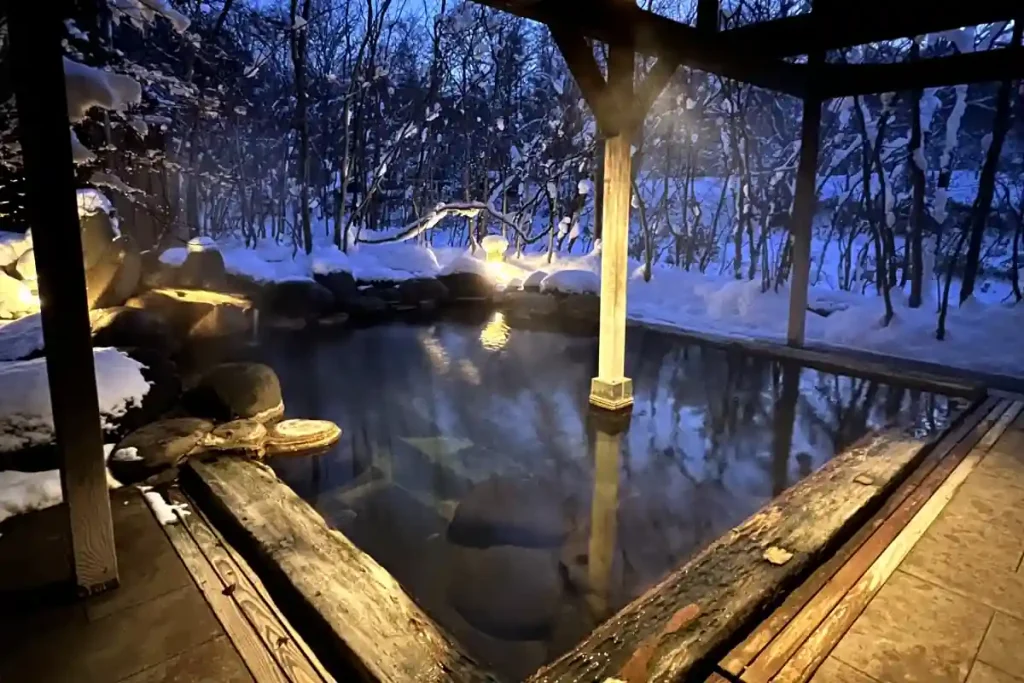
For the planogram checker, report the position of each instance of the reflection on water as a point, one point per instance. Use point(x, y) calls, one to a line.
point(472, 469)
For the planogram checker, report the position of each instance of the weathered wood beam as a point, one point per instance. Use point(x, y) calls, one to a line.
point(707, 16)
point(833, 26)
point(844, 80)
point(656, 36)
point(611, 389)
point(690, 615)
point(357, 613)
point(652, 86)
point(37, 69)
point(579, 55)
point(802, 220)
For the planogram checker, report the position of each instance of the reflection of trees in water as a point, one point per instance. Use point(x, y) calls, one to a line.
point(714, 434)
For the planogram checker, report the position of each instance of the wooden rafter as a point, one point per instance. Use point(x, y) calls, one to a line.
point(617, 107)
point(579, 55)
point(842, 80)
point(653, 35)
point(834, 25)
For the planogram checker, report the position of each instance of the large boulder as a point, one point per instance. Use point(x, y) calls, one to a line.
point(115, 277)
point(467, 285)
point(26, 266)
point(123, 326)
point(341, 284)
point(527, 512)
point(98, 232)
point(155, 273)
point(202, 269)
point(197, 314)
point(232, 391)
point(533, 280)
point(162, 397)
point(156, 447)
point(418, 291)
point(305, 299)
point(506, 592)
point(16, 298)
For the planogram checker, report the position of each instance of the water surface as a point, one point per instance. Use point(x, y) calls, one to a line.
point(557, 524)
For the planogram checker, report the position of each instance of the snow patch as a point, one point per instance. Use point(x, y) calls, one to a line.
point(26, 415)
point(89, 87)
point(165, 513)
point(572, 282)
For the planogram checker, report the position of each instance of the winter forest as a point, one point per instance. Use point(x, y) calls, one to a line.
point(299, 126)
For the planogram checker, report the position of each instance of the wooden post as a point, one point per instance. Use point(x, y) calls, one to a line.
point(803, 216)
point(38, 73)
point(611, 389)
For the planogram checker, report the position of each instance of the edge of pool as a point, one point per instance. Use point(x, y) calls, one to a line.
point(359, 620)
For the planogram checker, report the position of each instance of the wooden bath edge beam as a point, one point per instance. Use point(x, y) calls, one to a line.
point(918, 374)
point(684, 623)
point(349, 608)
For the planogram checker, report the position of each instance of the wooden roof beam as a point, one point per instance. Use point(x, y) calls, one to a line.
point(654, 35)
point(834, 25)
point(844, 80)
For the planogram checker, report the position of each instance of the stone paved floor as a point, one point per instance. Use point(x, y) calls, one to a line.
point(155, 628)
point(954, 610)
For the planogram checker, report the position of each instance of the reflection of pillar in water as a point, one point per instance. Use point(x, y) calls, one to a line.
point(783, 419)
point(608, 431)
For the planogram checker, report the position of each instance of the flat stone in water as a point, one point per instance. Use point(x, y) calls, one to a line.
point(245, 437)
point(294, 436)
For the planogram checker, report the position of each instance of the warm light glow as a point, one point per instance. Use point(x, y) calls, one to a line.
point(204, 296)
point(495, 247)
point(26, 297)
point(502, 273)
point(495, 334)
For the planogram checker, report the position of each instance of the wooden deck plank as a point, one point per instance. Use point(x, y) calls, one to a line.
point(243, 567)
point(356, 608)
point(215, 661)
point(250, 647)
point(779, 635)
point(265, 621)
point(803, 664)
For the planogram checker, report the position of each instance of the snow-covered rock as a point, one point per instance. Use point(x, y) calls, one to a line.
point(533, 280)
point(12, 246)
point(26, 416)
point(465, 263)
point(16, 298)
point(572, 282)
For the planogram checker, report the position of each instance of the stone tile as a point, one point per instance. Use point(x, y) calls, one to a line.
point(117, 646)
point(915, 631)
point(975, 546)
point(983, 673)
point(215, 661)
point(1003, 646)
point(835, 671)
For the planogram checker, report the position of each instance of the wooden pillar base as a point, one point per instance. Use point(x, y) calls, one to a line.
point(612, 394)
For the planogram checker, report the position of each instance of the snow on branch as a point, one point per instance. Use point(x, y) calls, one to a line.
point(441, 211)
point(142, 12)
point(89, 87)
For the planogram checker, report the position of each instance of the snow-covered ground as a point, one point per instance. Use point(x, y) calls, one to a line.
point(26, 419)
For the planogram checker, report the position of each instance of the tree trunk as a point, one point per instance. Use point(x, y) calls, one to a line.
point(987, 182)
point(299, 39)
point(917, 178)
